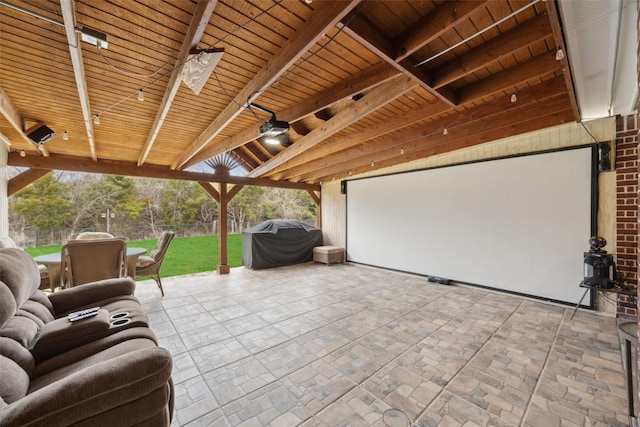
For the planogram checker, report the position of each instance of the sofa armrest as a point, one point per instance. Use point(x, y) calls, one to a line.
point(62, 335)
point(90, 294)
point(97, 389)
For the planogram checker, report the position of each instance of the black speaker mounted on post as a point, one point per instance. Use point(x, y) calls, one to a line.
point(605, 163)
point(343, 187)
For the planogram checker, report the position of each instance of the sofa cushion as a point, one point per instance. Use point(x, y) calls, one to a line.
point(20, 273)
point(20, 329)
point(8, 305)
point(15, 381)
point(16, 352)
point(145, 261)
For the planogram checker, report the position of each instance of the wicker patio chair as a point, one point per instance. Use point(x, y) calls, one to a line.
point(94, 235)
point(85, 261)
point(151, 265)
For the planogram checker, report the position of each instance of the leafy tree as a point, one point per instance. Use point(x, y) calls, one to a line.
point(182, 202)
point(246, 206)
point(150, 193)
point(44, 204)
point(288, 204)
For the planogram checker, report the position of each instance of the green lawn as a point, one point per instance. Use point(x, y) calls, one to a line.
point(185, 255)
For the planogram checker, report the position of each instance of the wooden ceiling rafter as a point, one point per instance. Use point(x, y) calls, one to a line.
point(552, 11)
point(377, 97)
point(69, 18)
point(418, 149)
point(25, 178)
point(366, 79)
point(324, 18)
point(537, 67)
point(363, 30)
point(197, 26)
point(367, 151)
point(323, 153)
point(497, 84)
point(15, 119)
point(433, 25)
point(521, 36)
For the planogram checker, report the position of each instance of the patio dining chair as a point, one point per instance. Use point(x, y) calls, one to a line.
point(85, 261)
point(150, 265)
point(94, 235)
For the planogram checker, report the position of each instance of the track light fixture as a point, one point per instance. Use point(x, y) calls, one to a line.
point(23, 153)
point(514, 98)
point(65, 135)
point(559, 54)
point(273, 127)
point(445, 131)
point(140, 95)
point(96, 119)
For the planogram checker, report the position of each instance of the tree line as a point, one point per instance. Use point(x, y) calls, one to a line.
point(62, 203)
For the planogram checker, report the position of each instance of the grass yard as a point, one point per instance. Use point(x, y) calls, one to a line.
point(185, 255)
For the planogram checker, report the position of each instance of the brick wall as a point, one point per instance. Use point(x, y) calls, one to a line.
point(626, 164)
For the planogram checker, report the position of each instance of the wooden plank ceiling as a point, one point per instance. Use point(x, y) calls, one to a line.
point(364, 84)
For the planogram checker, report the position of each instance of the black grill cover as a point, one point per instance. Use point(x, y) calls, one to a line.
point(275, 243)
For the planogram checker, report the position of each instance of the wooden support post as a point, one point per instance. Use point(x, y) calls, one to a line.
point(223, 266)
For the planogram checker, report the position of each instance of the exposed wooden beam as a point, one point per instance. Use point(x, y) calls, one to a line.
point(552, 10)
point(481, 117)
point(13, 116)
point(355, 84)
point(69, 17)
point(320, 155)
point(6, 141)
point(325, 17)
point(366, 33)
point(525, 34)
point(373, 100)
point(114, 167)
point(199, 21)
point(435, 24)
point(208, 187)
point(542, 65)
point(315, 196)
point(533, 121)
point(18, 182)
point(325, 156)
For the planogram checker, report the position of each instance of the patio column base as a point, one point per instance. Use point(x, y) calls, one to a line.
point(223, 269)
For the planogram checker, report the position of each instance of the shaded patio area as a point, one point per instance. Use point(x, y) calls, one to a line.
point(325, 346)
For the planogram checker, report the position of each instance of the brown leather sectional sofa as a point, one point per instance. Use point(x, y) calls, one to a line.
point(106, 369)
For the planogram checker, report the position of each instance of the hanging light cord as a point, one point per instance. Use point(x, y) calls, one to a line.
point(131, 73)
point(495, 24)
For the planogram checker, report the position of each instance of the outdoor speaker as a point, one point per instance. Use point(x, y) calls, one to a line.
point(41, 134)
point(343, 187)
point(604, 156)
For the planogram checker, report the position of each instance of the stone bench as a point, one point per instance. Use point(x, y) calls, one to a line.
point(328, 254)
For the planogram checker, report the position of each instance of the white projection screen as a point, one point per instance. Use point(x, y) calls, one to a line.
point(519, 224)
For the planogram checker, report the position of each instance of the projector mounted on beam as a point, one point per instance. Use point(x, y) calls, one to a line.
point(273, 127)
